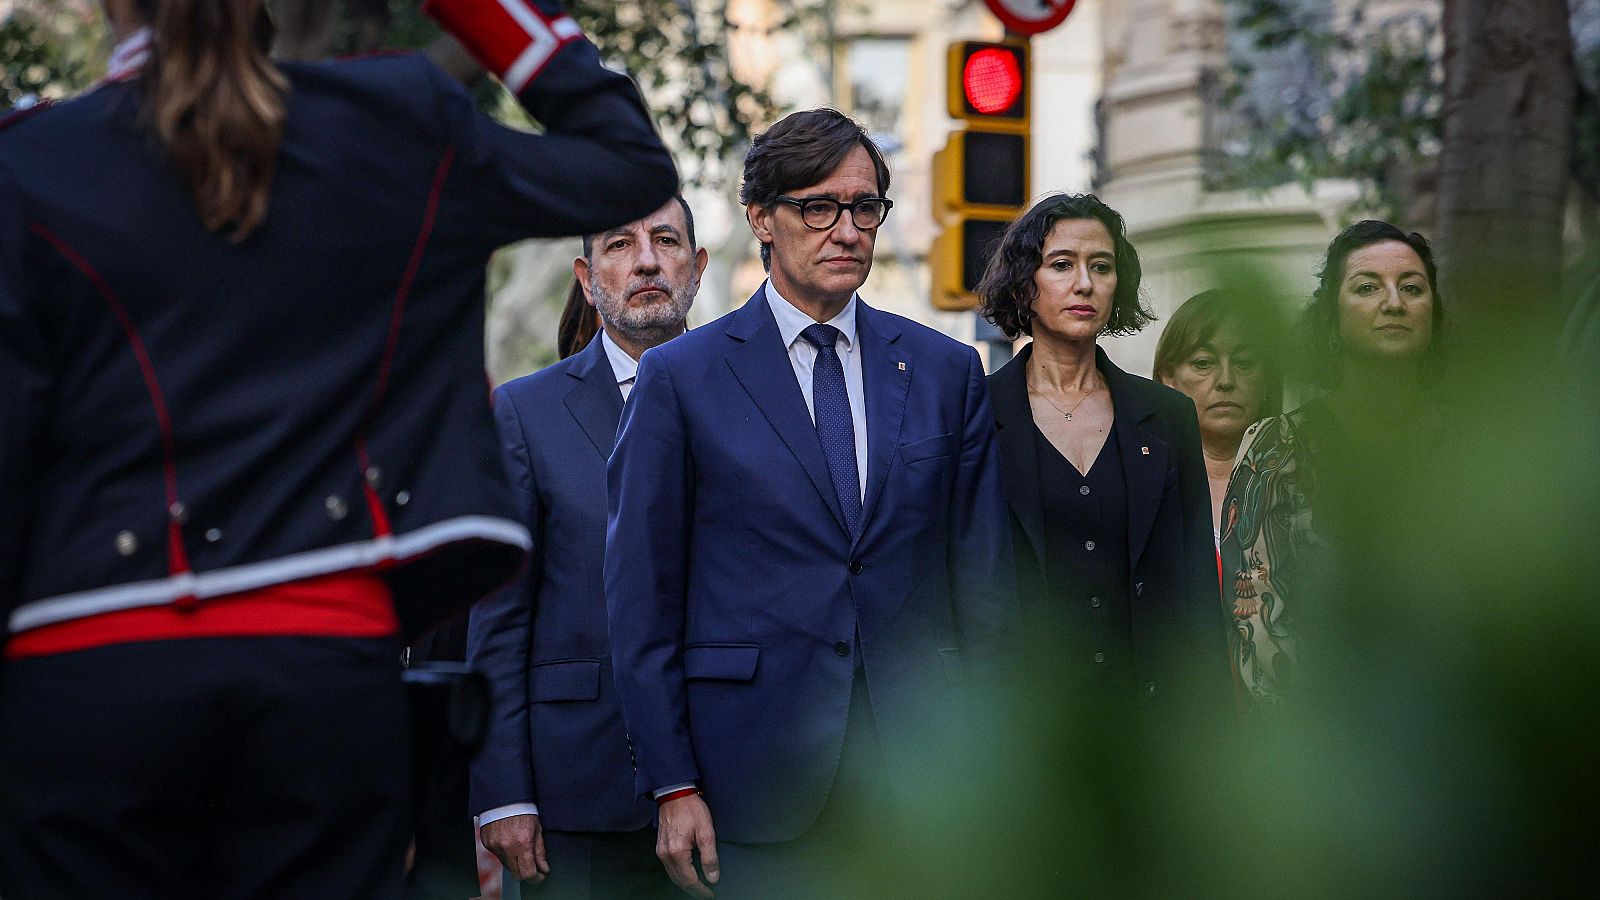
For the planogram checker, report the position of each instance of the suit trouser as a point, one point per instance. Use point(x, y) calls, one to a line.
point(833, 856)
point(206, 768)
point(603, 865)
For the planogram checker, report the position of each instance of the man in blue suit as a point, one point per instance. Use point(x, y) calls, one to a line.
point(553, 787)
point(808, 552)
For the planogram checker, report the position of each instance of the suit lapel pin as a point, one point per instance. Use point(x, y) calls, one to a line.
point(902, 366)
point(1145, 450)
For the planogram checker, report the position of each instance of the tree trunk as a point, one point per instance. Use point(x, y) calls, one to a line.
point(1504, 164)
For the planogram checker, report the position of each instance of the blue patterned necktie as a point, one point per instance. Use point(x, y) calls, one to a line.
point(830, 402)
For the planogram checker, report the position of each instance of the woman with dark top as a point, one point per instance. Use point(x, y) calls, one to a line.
point(245, 440)
point(1220, 353)
point(1371, 336)
point(1103, 473)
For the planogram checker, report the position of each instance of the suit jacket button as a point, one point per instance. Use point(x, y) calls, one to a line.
point(855, 567)
point(841, 649)
point(1150, 689)
point(1138, 589)
point(127, 544)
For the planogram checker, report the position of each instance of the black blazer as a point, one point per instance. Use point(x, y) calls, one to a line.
point(1179, 634)
point(185, 417)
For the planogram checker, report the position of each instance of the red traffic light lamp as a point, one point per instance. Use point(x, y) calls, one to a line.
point(991, 80)
point(988, 82)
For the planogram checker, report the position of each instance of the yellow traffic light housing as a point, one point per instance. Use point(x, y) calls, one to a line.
point(981, 179)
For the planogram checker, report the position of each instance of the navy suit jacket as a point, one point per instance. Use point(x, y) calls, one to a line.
point(736, 594)
point(556, 735)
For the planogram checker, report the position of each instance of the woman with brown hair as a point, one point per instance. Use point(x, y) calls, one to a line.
point(580, 322)
point(1218, 350)
point(245, 443)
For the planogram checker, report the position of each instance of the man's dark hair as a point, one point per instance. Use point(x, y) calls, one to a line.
point(1007, 287)
point(803, 148)
point(1321, 321)
point(688, 224)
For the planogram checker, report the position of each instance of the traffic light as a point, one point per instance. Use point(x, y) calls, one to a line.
point(980, 178)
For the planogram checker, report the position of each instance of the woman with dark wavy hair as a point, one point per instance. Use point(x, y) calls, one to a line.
point(245, 445)
point(1103, 472)
point(1371, 337)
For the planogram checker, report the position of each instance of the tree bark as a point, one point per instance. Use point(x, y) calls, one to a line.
point(1505, 162)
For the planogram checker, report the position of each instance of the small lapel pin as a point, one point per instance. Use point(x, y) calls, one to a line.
point(902, 366)
point(1145, 450)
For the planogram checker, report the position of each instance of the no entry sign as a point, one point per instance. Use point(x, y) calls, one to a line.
point(1030, 16)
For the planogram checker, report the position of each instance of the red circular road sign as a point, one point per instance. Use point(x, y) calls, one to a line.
point(991, 80)
point(1030, 16)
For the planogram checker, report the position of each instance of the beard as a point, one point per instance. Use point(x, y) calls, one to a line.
point(652, 323)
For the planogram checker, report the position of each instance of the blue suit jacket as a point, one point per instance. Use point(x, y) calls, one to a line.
point(556, 735)
point(736, 594)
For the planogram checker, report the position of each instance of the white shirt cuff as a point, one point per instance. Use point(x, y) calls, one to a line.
point(506, 812)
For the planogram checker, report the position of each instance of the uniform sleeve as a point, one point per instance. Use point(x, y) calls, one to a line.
point(26, 383)
point(599, 162)
point(499, 635)
point(650, 482)
point(982, 575)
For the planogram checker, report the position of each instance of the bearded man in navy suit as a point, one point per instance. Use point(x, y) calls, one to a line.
point(808, 558)
point(553, 786)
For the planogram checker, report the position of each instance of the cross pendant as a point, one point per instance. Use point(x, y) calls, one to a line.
point(1069, 417)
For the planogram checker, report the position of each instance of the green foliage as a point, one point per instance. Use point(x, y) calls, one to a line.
point(1310, 95)
point(675, 49)
point(48, 52)
point(1307, 100)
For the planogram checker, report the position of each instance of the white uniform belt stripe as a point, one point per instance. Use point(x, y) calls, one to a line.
point(251, 576)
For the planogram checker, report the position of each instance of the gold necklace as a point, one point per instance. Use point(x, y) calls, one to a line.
point(1065, 413)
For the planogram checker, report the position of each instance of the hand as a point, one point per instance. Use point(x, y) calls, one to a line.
point(519, 843)
point(686, 827)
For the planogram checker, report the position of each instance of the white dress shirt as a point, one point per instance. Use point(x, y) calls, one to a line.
point(625, 367)
point(803, 357)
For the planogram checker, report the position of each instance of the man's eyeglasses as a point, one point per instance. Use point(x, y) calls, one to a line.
point(820, 213)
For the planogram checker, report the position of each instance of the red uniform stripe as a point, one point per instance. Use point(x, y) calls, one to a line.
point(346, 604)
point(177, 558)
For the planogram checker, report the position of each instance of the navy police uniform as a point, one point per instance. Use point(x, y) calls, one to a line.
point(184, 417)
